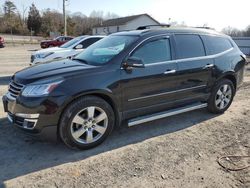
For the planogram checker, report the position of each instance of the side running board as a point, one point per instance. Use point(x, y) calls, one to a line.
point(160, 115)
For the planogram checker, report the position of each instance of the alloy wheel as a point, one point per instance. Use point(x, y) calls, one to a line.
point(223, 96)
point(89, 125)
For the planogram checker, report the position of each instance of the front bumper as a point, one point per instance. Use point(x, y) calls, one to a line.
point(37, 116)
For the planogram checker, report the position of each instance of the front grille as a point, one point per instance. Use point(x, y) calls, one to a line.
point(32, 58)
point(15, 89)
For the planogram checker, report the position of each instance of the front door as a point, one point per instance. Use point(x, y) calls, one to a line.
point(149, 89)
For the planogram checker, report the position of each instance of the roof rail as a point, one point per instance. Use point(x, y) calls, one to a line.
point(149, 26)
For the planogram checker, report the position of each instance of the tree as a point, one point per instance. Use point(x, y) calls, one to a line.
point(233, 32)
point(9, 8)
point(34, 21)
point(52, 21)
point(247, 31)
point(11, 18)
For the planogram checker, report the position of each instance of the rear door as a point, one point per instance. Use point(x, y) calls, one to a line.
point(195, 68)
point(149, 89)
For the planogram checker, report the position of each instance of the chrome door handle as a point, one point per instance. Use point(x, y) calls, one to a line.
point(170, 72)
point(208, 66)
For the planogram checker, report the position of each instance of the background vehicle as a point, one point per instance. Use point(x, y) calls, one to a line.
point(67, 50)
point(136, 77)
point(1, 42)
point(55, 42)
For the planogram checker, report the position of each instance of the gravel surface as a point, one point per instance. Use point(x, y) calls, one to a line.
point(179, 151)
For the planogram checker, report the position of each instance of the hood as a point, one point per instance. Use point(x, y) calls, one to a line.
point(51, 70)
point(47, 50)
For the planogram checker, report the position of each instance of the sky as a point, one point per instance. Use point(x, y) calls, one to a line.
point(213, 13)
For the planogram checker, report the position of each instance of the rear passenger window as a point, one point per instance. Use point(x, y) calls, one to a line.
point(154, 51)
point(86, 43)
point(189, 46)
point(217, 45)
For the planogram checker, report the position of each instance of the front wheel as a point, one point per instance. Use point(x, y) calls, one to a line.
point(86, 123)
point(221, 96)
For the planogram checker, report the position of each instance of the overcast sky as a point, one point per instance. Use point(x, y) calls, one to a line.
point(214, 13)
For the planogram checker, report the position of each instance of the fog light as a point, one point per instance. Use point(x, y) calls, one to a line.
point(27, 116)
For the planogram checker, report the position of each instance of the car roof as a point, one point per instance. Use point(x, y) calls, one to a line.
point(169, 31)
point(95, 36)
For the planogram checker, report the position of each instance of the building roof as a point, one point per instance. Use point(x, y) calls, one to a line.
point(122, 20)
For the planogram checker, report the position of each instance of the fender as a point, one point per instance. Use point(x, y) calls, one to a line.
point(105, 94)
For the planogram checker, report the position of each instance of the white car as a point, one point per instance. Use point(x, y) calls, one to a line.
point(67, 50)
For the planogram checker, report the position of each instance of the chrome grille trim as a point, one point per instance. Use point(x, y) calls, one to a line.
point(15, 89)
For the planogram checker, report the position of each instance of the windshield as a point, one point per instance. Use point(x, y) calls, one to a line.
point(71, 42)
point(104, 50)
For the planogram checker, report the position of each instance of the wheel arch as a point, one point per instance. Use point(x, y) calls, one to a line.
point(103, 94)
point(230, 76)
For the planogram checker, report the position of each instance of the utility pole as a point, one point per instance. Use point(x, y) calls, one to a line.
point(65, 18)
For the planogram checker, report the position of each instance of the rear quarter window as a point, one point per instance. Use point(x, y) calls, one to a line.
point(217, 45)
point(189, 45)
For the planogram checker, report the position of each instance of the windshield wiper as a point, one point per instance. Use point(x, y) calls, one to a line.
point(81, 60)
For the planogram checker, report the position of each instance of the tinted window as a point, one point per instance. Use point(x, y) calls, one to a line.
point(86, 43)
point(154, 51)
point(217, 45)
point(71, 42)
point(189, 46)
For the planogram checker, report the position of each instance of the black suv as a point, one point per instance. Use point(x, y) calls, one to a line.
point(133, 77)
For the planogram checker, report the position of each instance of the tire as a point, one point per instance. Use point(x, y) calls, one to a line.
point(221, 96)
point(86, 123)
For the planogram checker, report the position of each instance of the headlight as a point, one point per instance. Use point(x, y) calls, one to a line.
point(39, 90)
point(44, 55)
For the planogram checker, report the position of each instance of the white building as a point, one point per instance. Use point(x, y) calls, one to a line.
point(123, 24)
point(243, 43)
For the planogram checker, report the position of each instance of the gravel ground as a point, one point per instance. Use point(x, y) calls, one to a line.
point(179, 151)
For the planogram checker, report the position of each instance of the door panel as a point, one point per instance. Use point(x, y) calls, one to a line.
point(195, 68)
point(144, 87)
point(195, 76)
point(153, 85)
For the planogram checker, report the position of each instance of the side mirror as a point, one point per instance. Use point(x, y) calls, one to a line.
point(133, 62)
point(79, 46)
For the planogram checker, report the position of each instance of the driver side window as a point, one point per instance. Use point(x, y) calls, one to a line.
point(154, 51)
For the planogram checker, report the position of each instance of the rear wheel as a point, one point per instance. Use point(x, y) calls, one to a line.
point(86, 123)
point(221, 96)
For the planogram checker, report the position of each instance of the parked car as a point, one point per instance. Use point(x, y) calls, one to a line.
point(1, 42)
point(67, 50)
point(55, 42)
point(134, 77)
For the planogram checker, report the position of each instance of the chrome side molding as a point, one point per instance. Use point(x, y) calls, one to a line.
point(164, 114)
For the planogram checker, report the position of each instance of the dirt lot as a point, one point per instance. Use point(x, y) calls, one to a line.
point(179, 151)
